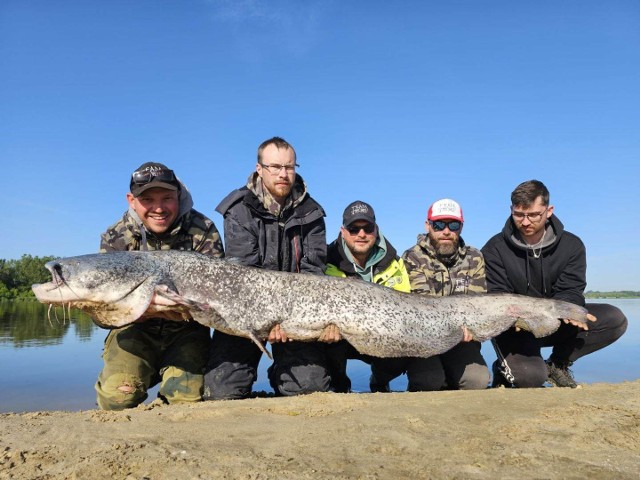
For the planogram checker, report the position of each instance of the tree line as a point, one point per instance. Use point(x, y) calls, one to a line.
point(617, 294)
point(17, 276)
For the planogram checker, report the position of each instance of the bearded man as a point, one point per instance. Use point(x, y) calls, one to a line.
point(441, 264)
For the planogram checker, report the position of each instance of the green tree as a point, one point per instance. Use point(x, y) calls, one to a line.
point(17, 276)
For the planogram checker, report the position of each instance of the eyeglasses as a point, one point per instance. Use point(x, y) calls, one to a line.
point(440, 225)
point(142, 177)
point(532, 217)
point(275, 169)
point(369, 228)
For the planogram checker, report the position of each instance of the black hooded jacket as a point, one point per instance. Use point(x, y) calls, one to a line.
point(556, 271)
point(253, 236)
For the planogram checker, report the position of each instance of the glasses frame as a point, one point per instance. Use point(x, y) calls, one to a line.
point(275, 168)
point(440, 228)
point(520, 216)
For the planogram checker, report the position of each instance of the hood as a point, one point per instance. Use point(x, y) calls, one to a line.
point(339, 255)
point(553, 231)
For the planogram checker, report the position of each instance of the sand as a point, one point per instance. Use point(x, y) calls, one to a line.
point(591, 432)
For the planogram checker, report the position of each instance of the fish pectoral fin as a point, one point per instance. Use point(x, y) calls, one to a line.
point(255, 340)
point(165, 296)
point(122, 312)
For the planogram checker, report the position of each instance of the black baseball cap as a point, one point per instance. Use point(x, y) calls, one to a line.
point(153, 175)
point(358, 211)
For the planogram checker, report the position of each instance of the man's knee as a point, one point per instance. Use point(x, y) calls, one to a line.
point(120, 391)
point(229, 381)
point(299, 368)
point(425, 381)
point(289, 380)
point(475, 377)
point(528, 372)
point(179, 386)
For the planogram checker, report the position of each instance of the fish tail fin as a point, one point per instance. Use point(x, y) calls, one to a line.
point(571, 311)
point(545, 318)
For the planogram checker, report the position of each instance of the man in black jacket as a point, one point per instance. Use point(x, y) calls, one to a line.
point(535, 256)
point(272, 222)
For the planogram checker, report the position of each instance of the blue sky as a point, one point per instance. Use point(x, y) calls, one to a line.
point(394, 103)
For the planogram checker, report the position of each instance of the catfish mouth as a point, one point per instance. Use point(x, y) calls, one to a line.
point(57, 280)
point(44, 291)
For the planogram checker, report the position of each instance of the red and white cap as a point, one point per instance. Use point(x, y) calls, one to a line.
point(445, 209)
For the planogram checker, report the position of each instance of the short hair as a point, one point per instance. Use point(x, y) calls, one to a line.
point(527, 192)
point(279, 143)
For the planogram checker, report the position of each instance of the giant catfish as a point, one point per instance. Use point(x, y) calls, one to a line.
point(117, 288)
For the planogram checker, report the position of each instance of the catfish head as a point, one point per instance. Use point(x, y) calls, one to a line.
point(115, 289)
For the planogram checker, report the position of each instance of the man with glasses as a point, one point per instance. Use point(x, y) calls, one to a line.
point(535, 256)
point(360, 252)
point(272, 222)
point(156, 350)
point(441, 264)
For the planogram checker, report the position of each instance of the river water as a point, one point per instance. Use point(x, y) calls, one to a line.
point(52, 364)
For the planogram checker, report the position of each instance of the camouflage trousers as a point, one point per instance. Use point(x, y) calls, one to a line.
point(141, 355)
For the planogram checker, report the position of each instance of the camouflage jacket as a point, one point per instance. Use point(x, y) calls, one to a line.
point(429, 275)
point(192, 231)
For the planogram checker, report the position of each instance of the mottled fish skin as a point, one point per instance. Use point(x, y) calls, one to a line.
point(117, 288)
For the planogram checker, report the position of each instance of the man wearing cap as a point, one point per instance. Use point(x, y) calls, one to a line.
point(272, 222)
point(535, 256)
point(441, 264)
point(361, 252)
point(156, 350)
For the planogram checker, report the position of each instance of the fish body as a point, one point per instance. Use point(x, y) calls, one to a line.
point(117, 289)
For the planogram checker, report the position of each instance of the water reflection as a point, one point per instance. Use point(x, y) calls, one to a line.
point(28, 324)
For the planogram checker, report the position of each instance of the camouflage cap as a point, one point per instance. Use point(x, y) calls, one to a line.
point(358, 211)
point(153, 175)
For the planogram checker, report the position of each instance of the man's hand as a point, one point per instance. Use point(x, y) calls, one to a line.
point(277, 334)
point(330, 334)
point(466, 335)
point(581, 325)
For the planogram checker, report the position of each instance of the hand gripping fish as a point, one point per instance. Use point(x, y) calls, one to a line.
point(116, 289)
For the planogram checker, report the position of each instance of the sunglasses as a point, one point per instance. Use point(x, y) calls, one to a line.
point(142, 177)
point(369, 228)
point(440, 225)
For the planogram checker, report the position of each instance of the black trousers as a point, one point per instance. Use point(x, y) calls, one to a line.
point(522, 350)
point(298, 368)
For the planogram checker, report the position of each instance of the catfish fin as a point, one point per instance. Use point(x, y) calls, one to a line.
point(122, 312)
point(255, 340)
point(166, 293)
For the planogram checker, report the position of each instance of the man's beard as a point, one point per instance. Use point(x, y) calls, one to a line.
point(444, 249)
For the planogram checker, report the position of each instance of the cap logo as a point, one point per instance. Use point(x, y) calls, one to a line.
point(359, 209)
point(447, 208)
point(154, 170)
